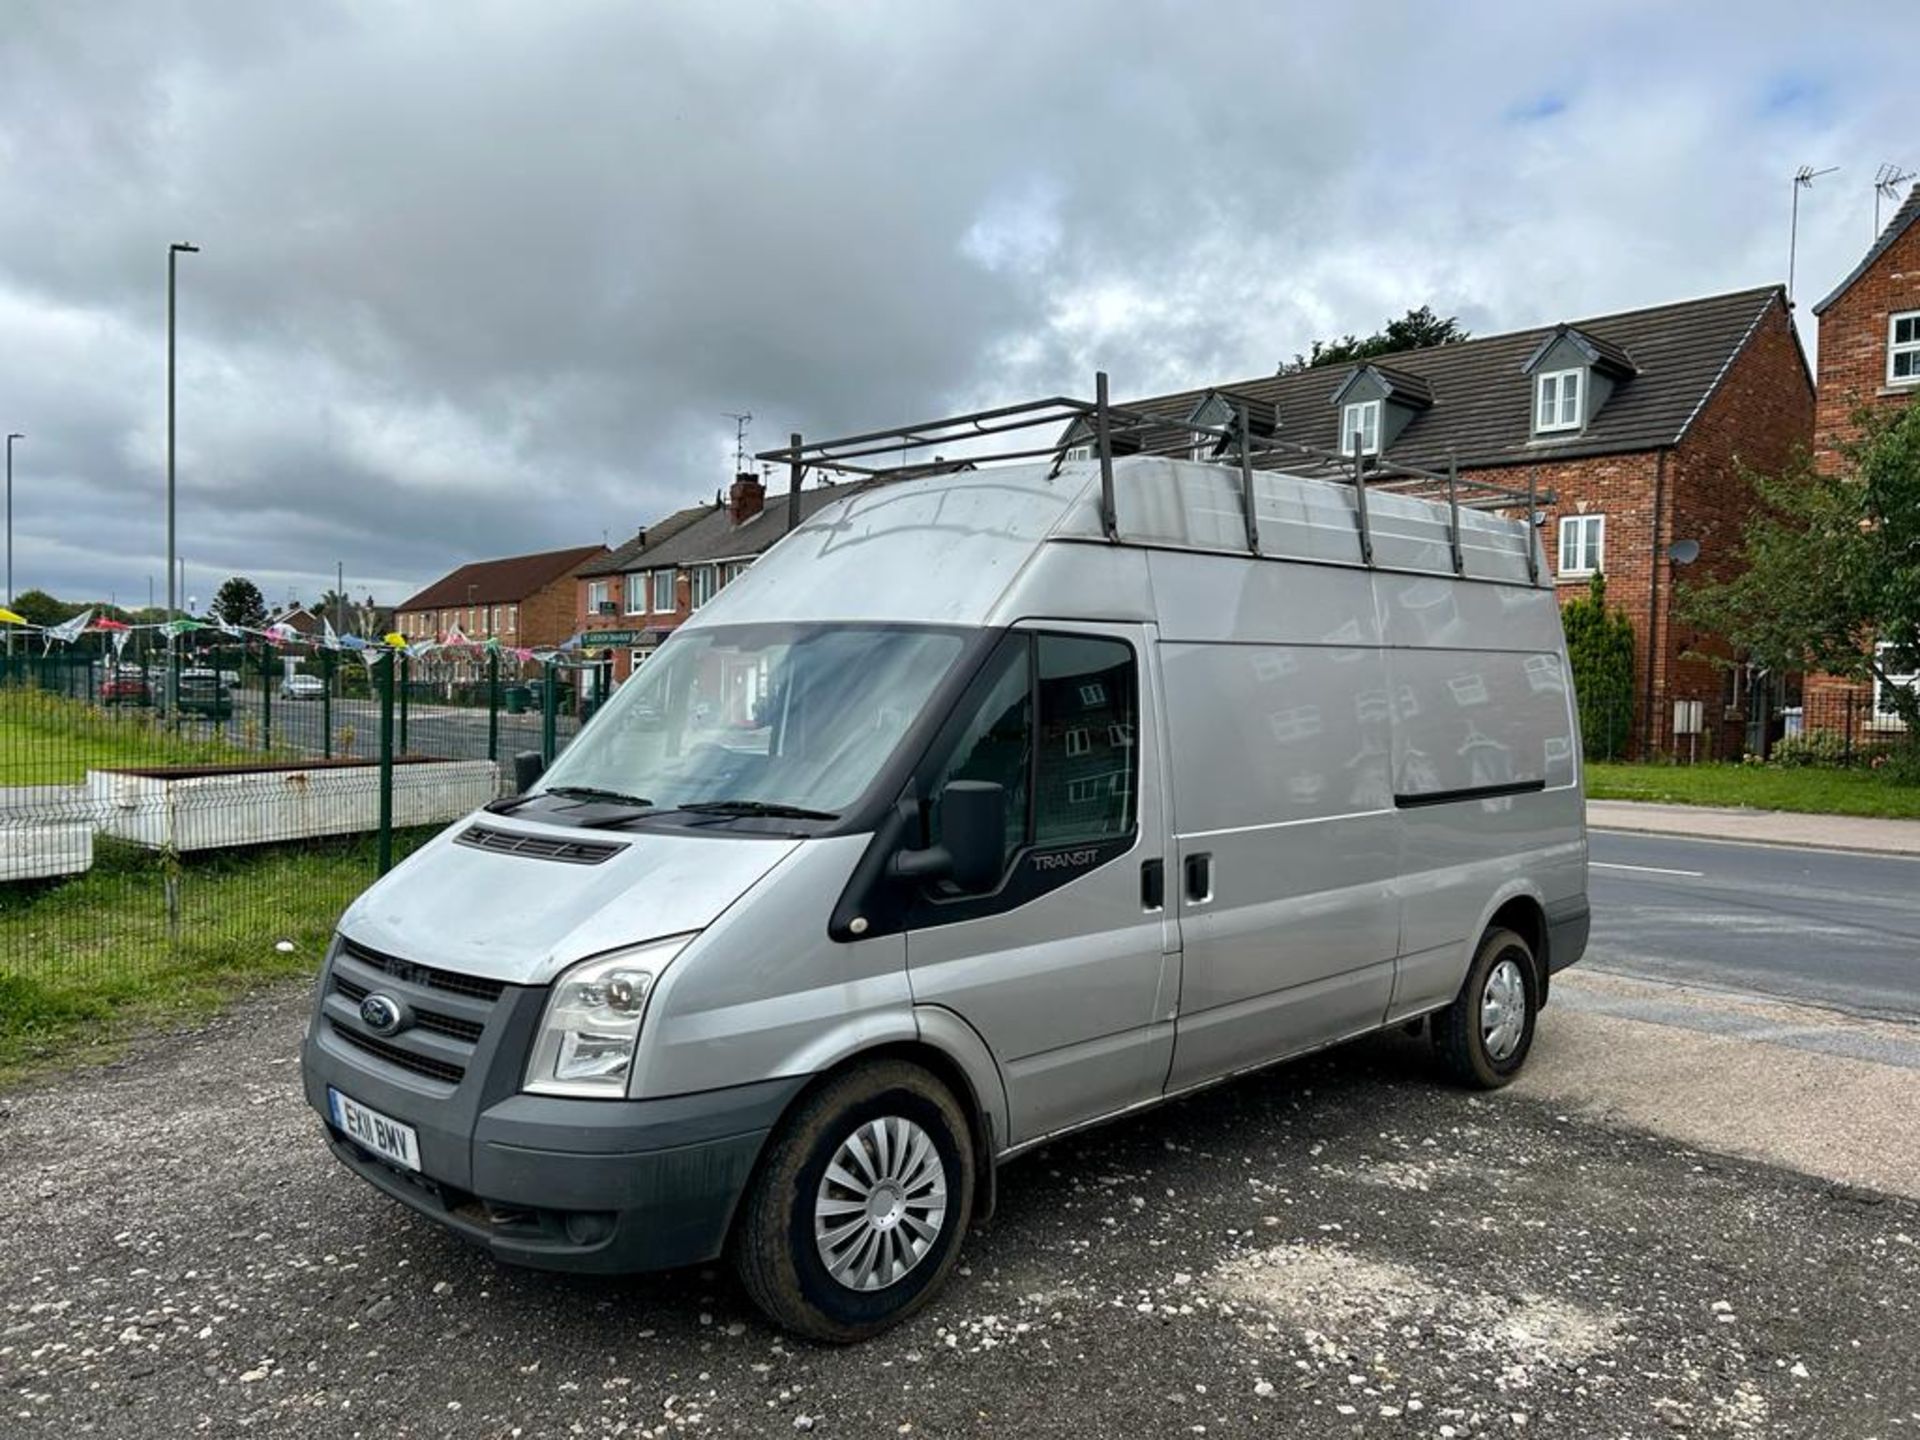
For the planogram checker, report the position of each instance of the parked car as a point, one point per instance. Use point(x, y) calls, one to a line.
point(302, 687)
point(126, 687)
point(1067, 803)
point(204, 693)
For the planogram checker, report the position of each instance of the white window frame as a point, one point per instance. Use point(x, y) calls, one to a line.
point(732, 571)
point(1079, 452)
point(1588, 553)
point(1079, 741)
point(705, 584)
point(662, 578)
point(1094, 692)
point(1363, 416)
point(1555, 394)
point(1888, 719)
point(635, 659)
point(599, 592)
point(513, 619)
point(634, 583)
point(1909, 349)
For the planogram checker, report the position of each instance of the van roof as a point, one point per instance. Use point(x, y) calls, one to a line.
point(953, 548)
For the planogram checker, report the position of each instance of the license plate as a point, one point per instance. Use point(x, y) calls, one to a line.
point(371, 1130)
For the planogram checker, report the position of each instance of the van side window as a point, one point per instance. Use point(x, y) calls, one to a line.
point(1088, 708)
point(997, 744)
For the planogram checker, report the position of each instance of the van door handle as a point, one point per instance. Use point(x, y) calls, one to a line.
point(1153, 884)
point(1199, 878)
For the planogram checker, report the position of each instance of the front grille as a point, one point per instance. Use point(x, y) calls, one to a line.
point(537, 847)
point(453, 1025)
point(406, 1059)
point(424, 975)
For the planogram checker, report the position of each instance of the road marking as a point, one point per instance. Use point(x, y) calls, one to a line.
point(1647, 869)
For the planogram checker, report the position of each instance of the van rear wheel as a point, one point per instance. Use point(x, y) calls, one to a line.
point(1483, 1038)
point(854, 1219)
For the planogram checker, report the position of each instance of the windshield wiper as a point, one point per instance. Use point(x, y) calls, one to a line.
point(757, 807)
point(594, 792)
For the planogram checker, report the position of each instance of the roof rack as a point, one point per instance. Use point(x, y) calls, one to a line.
point(1111, 430)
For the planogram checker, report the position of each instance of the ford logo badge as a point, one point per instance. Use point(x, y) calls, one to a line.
point(381, 1014)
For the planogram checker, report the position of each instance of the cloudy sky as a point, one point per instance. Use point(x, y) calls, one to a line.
point(482, 278)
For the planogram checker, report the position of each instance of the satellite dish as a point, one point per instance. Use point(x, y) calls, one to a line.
point(1684, 552)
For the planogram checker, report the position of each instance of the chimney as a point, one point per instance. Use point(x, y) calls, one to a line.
point(746, 498)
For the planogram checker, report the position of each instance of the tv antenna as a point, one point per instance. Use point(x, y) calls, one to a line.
point(1887, 181)
point(740, 423)
point(1803, 179)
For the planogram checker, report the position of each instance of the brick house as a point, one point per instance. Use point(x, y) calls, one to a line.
point(1633, 422)
point(1869, 359)
point(522, 600)
point(632, 598)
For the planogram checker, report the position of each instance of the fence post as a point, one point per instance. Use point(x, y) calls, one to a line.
point(326, 704)
point(549, 714)
point(406, 684)
point(266, 695)
point(493, 704)
point(386, 764)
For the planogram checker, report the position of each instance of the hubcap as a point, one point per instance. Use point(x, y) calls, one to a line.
point(881, 1204)
point(1503, 1010)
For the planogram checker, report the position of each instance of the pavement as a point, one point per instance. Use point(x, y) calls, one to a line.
point(1758, 827)
point(1674, 1223)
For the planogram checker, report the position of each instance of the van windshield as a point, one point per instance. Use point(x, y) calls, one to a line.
point(797, 717)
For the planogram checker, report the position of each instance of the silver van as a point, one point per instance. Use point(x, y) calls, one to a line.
point(988, 805)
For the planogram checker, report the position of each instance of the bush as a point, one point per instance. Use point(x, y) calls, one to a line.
point(1600, 650)
point(1901, 765)
point(1813, 748)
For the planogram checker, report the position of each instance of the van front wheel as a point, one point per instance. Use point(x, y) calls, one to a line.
point(1483, 1037)
point(855, 1217)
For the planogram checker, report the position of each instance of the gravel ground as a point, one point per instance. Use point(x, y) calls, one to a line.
point(1337, 1248)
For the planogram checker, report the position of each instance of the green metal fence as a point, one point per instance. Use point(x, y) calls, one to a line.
point(157, 826)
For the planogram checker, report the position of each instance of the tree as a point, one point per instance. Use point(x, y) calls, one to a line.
point(1416, 330)
point(336, 607)
point(1600, 650)
point(37, 607)
point(1830, 576)
point(240, 602)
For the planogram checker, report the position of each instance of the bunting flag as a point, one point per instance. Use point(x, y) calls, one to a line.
point(7, 617)
point(69, 631)
point(395, 640)
point(121, 634)
point(353, 642)
point(282, 633)
point(183, 626)
point(227, 627)
point(327, 638)
point(108, 623)
point(455, 636)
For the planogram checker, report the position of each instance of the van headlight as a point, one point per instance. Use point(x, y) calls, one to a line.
point(591, 1025)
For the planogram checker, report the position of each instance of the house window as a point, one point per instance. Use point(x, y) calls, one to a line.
point(513, 618)
point(636, 660)
point(1078, 740)
point(1583, 544)
point(636, 584)
point(599, 596)
point(1079, 452)
point(663, 603)
point(703, 585)
point(1361, 418)
point(1885, 715)
point(1557, 401)
point(733, 571)
point(1903, 348)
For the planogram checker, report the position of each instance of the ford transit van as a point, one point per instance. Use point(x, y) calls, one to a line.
point(988, 805)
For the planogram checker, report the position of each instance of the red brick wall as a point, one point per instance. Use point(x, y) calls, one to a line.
point(1762, 412)
point(587, 618)
point(1853, 345)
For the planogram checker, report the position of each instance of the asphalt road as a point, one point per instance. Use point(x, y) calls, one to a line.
point(1817, 926)
point(444, 731)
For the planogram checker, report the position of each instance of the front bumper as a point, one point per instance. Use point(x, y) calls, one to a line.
point(600, 1186)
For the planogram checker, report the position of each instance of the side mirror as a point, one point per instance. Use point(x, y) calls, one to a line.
point(528, 767)
point(973, 832)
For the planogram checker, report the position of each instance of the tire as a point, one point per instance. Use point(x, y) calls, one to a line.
point(776, 1248)
point(1473, 1046)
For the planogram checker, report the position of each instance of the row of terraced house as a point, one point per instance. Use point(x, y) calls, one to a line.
point(1632, 426)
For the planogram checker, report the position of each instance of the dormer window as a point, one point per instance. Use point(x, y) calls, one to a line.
point(1557, 397)
point(1360, 419)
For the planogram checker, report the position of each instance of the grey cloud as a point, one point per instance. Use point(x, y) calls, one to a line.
point(481, 279)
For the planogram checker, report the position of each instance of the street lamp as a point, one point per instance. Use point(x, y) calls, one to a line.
point(10, 439)
point(174, 252)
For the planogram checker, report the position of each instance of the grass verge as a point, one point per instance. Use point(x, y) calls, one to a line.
point(49, 739)
point(1807, 790)
point(87, 963)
